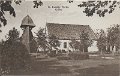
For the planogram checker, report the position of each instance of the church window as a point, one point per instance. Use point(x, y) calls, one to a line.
point(65, 44)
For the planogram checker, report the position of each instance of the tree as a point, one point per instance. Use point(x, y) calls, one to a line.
point(37, 3)
point(113, 37)
point(1, 46)
point(75, 44)
point(102, 41)
point(5, 6)
point(41, 39)
point(54, 42)
point(70, 1)
point(99, 7)
point(14, 54)
point(13, 35)
point(85, 41)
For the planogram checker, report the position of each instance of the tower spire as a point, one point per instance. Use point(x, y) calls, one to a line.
point(27, 9)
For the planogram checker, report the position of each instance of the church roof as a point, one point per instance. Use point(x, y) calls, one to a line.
point(69, 31)
point(27, 21)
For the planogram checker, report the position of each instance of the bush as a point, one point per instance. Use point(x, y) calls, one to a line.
point(78, 56)
point(63, 58)
point(52, 53)
point(14, 56)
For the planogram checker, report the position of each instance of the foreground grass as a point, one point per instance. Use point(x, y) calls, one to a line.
point(95, 66)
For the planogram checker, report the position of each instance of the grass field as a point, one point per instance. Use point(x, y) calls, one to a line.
point(95, 66)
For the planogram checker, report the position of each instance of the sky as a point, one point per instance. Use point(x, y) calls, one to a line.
point(72, 14)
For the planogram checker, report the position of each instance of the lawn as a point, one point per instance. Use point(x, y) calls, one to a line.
point(95, 66)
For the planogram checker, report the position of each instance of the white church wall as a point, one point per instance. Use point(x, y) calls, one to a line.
point(93, 47)
point(62, 45)
point(90, 49)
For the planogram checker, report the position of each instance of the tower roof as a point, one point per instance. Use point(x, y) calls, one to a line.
point(27, 21)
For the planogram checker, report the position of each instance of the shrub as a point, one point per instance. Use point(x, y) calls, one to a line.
point(63, 58)
point(14, 56)
point(78, 56)
point(52, 53)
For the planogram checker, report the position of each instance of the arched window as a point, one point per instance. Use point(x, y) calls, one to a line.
point(65, 44)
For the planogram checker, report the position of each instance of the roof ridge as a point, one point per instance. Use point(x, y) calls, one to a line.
point(68, 24)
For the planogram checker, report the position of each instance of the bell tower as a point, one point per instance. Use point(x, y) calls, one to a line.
point(27, 36)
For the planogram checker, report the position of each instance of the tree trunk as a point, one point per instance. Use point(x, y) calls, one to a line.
point(0, 64)
point(44, 50)
point(108, 48)
point(113, 50)
point(0, 59)
point(82, 49)
point(85, 48)
point(101, 52)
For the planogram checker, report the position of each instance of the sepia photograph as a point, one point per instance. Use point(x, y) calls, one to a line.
point(59, 37)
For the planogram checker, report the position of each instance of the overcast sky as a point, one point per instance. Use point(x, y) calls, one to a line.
point(70, 15)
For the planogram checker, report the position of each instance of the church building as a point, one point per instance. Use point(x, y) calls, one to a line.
point(66, 32)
